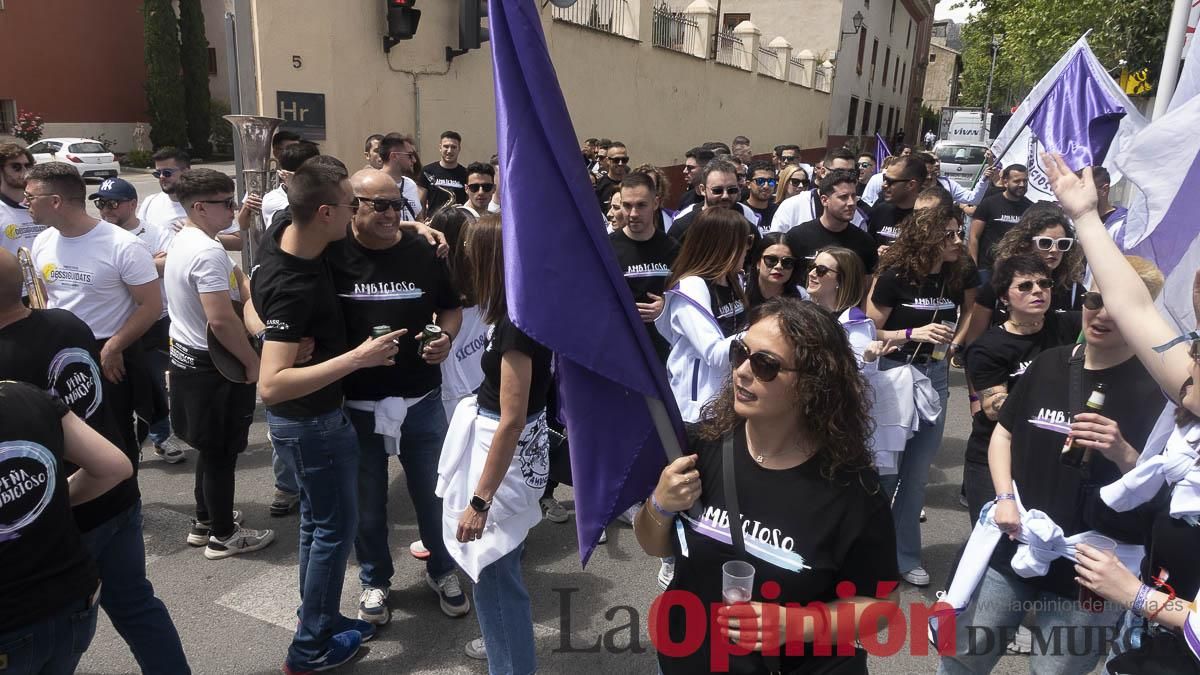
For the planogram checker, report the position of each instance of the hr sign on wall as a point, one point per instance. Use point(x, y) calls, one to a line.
point(303, 113)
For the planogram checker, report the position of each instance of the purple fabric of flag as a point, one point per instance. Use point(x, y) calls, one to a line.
point(564, 287)
point(1077, 118)
point(881, 151)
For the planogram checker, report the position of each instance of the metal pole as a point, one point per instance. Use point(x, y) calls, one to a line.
point(987, 102)
point(235, 95)
point(1169, 75)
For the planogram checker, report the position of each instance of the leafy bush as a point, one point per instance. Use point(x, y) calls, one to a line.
point(138, 158)
point(29, 127)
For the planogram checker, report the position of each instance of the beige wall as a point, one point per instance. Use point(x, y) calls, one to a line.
point(941, 76)
point(658, 101)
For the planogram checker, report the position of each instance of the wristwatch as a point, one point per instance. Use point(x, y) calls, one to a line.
point(480, 504)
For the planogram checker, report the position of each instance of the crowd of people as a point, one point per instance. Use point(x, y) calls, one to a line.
point(806, 316)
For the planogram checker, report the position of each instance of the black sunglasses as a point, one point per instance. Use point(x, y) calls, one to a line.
point(798, 182)
point(228, 202)
point(1051, 243)
point(787, 262)
point(731, 190)
point(821, 271)
point(380, 205)
point(764, 366)
point(109, 203)
point(1093, 300)
point(888, 180)
point(618, 160)
point(476, 187)
point(164, 173)
point(1044, 284)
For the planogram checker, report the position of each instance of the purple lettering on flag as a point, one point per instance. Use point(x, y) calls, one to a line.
point(564, 287)
point(1077, 118)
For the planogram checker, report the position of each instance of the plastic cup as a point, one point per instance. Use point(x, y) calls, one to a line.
point(940, 349)
point(1088, 599)
point(737, 581)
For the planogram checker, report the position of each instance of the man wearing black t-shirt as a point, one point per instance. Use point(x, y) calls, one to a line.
point(834, 228)
point(617, 161)
point(385, 277)
point(902, 182)
point(1025, 454)
point(294, 295)
point(644, 253)
point(761, 199)
point(445, 173)
point(996, 215)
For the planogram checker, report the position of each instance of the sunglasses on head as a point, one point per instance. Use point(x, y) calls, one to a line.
point(476, 187)
point(164, 173)
point(766, 367)
point(1027, 286)
point(798, 182)
point(727, 190)
point(1051, 243)
point(619, 160)
point(821, 271)
point(787, 262)
point(380, 205)
point(766, 182)
point(1093, 301)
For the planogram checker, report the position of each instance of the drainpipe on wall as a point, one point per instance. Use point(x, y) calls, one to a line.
point(416, 83)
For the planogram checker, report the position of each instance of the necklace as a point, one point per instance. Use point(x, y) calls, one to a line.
point(1030, 324)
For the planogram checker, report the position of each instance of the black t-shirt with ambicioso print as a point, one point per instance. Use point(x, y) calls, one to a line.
point(802, 531)
point(919, 304)
point(435, 175)
point(646, 266)
point(999, 357)
point(1036, 414)
point(399, 287)
point(884, 222)
point(45, 565)
point(728, 309)
point(808, 238)
point(1061, 300)
point(999, 215)
point(503, 337)
point(54, 350)
point(296, 298)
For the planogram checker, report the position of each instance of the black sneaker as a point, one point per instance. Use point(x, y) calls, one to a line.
point(201, 530)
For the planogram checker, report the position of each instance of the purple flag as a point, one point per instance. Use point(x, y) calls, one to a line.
point(564, 287)
point(1077, 118)
point(881, 151)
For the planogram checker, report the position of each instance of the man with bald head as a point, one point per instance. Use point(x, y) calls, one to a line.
point(385, 274)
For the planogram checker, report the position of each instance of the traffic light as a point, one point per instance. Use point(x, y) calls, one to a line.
point(402, 21)
point(471, 34)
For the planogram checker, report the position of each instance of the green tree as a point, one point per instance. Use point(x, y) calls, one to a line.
point(193, 57)
point(1038, 32)
point(164, 88)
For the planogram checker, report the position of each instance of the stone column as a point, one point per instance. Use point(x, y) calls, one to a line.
point(783, 52)
point(705, 16)
point(751, 37)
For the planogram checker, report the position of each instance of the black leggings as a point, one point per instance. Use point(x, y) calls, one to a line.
point(214, 490)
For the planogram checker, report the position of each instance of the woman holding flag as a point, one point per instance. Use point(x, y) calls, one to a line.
point(1162, 627)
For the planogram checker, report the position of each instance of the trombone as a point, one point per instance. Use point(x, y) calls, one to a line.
point(34, 286)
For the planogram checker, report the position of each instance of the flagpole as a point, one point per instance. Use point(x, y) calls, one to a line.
point(1169, 75)
point(670, 442)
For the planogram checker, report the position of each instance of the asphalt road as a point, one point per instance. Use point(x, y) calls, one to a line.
point(237, 615)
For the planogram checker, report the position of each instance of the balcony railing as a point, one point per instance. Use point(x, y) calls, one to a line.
point(731, 51)
point(609, 16)
point(769, 64)
point(799, 72)
point(676, 31)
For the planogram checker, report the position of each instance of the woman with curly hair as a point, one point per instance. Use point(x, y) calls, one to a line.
point(663, 217)
point(792, 181)
point(790, 431)
point(1044, 230)
point(923, 281)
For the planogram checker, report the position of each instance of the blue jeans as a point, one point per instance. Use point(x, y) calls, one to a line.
point(914, 469)
point(323, 453)
point(505, 616)
point(127, 596)
point(158, 361)
point(285, 475)
point(1067, 639)
point(52, 646)
point(421, 440)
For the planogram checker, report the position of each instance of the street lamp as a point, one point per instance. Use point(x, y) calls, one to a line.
point(857, 19)
point(997, 38)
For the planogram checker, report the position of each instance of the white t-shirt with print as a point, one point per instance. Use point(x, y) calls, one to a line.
point(88, 275)
point(160, 210)
point(196, 264)
point(17, 228)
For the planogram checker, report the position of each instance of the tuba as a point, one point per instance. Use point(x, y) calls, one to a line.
point(34, 285)
point(255, 134)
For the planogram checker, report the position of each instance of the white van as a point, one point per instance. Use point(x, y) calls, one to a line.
point(964, 127)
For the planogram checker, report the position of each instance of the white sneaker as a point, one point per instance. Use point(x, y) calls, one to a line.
point(603, 537)
point(1022, 642)
point(373, 607)
point(171, 451)
point(242, 540)
point(553, 510)
point(450, 596)
point(628, 514)
point(917, 576)
point(475, 649)
point(666, 572)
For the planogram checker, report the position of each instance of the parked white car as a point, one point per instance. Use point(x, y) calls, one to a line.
point(88, 156)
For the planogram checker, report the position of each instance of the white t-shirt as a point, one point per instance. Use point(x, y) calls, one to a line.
point(157, 239)
point(17, 228)
point(160, 210)
point(408, 189)
point(88, 275)
point(272, 202)
point(195, 264)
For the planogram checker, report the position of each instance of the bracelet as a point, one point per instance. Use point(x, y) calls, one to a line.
point(1162, 606)
point(1004, 497)
point(972, 398)
point(658, 507)
point(1139, 601)
point(907, 333)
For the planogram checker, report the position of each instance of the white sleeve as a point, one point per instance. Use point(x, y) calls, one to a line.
point(135, 263)
point(143, 207)
point(860, 335)
point(210, 274)
point(980, 190)
point(873, 189)
point(749, 214)
point(792, 212)
point(696, 327)
point(957, 192)
point(411, 194)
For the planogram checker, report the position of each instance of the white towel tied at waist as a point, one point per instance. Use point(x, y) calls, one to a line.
point(515, 507)
point(1176, 466)
point(1041, 542)
point(390, 414)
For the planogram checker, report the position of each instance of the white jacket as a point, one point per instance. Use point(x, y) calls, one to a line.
point(699, 360)
point(801, 208)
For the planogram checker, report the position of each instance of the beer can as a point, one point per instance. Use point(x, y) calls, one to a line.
point(431, 332)
point(380, 331)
